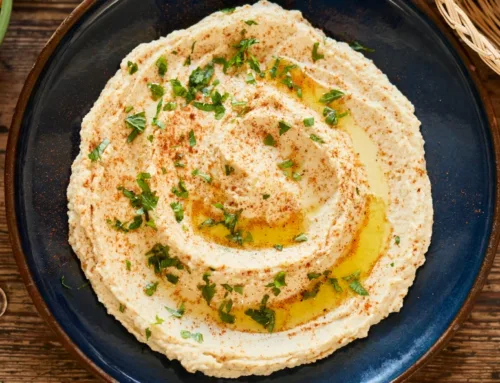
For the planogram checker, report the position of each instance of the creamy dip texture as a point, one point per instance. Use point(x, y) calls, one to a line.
point(250, 194)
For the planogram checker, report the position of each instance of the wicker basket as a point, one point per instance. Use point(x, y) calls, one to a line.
point(477, 22)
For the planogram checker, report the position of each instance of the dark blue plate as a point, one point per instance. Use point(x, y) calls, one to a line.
point(425, 66)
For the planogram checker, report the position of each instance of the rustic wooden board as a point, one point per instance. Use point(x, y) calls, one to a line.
point(29, 352)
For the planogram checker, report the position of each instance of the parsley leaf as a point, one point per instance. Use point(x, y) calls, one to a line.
point(358, 288)
point(264, 315)
point(274, 70)
point(315, 55)
point(330, 96)
point(228, 11)
point(266, 196)
point(279, 281)
point(286, 164)
point(132, 67)
point(160, 259)
point(170, 106)
point(251, 22)
point(278, 247)
point(155, 118)
point(228, 169)
point(208, 289)
point(331, 116)
point(148, 334)
point(308, 122)
point(157, 90)
point(205, 177)
point(178, 313)
point(63, 283)
point(128, 265)
point(317, 139)
point(300, 238)
point(312, 276)
point(162, 65)
point(196, 336)
point(335, 283)
point(250, 79)
point(283, 127)
point(224, 309)
point(397, 240)
point(136, 122)
point(180, 190)
point(95, 154)
point(309, 294)
point(269, 140)
point(192, 138)
point(178, 211)
point(150, 288)
point(358, 47)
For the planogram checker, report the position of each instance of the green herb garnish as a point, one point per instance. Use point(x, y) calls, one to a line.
point(157, 91)
point(132, 67)
point(283, 127)
point(150, 288)
point(335, 283)
point(228, 169)
point(169, 106)
point(330, 96)
point(278, 247)
point(331, 116)
point(269, 140)
point(196, 336)
point(205, 177)
point(312, 276)
point(208, 289)
point(308, 122)
point(180, 190)
point(317, 139)
point(279, 281)
point(358, 47)
point(148, 334)
point(128, 265)
point(264, 315)
point(178, 211)
point(251, 22)
point(397, 240)
point(96, 154)
point(160, 259)
point(192, 138)
point(224, 309)
point(286, 164)
point(162, 65)
point(315, 54)
point(266, 196)
point(228, 11)
point(300, 238)
point(178, 312)
point(136, 122)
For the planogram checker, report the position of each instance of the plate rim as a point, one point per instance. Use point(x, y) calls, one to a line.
point(41, 305)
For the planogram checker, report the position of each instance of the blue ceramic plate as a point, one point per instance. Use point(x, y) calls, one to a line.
point(460, 150)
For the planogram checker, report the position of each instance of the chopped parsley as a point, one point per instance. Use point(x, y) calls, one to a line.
point(335, 284)
point(178, 210)
point(279, 281)
point(148, 334)
point(251, 22)
point(156, 122)
point(160, 259)
point(331, 116)
point(178, 89)
point(397, 240)
point(228, 11)
point(121, 308)
point(208, 289)
point(170, 106)
point(178, 312)
point(144, 202)
point(192, 138)
point(96, 154)
point(239, 57)
point(300, 238)
point(269, 140)
point(128, 265)
point(308, 122)
point(330, 96)
point(196, 336)
point(283, 127)
point(205, 177)
point(187, 62)
point(172, 278)
point(150, 288)
point(162, 65)
point(228, 169)
point(129, 108)
point(264, 315)
point(316, 138)
point(158, 320)
point(309, 294)
point(63, 283)
point(216, 106)
point(150, 138)
point(250, 79)
point(136, 122)
point(224, 309)
point(354, 283)
point(358, 47)
point(315, 54)
point(286, 164)
point(209, 222)
point(274, 70)
point(132, 67)
point(312, 276)
point(157, 91)
point(278, 247)
point(180, 190)
point(266, 196)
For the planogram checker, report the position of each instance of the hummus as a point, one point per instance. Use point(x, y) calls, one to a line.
point(250, 194)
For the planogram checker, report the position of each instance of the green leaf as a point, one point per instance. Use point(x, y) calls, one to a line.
point(204, 106)
point(162, 65)
point(330, 96)
point(172, 278)
point(238, 289)
point(205, 177)
point(132, 67)
point(358, 288)
point(397, 240)
point(278, 247)
point(274, 70)
point(129, 108)
point(264, 315)
point(224, 309)
point(317, 139)
point(228, 11)
point(192, 138)
point(200, 77)
point(251, 22)
point(178, 211)
point(331, 116)
point(250, 79)
point(283, 127)
point(208, 223)
point(159, 258)
point(128, 265)
point(96, 154)
point(266, 196)
point(158, 320)
point(136, 223)
point(308, 122)
point(63, 283)
point(358, 47)
point(169, 106)
point(148, 334)
point(269, 140)
point(178, 313)
point(157, 90)
point(229, 169)
point(253, 63)
point(335, 283)
point(150, 288)
point(136, 122)
point(312, 276)
point(177, 88)
point(187, 62)
point(300, 238)
point(208, 289)
point(180, 190)
point(353, 276)
point(121, 308)
point(286, 164)
point(315, 54)
point(196, 336)
point(309, 294)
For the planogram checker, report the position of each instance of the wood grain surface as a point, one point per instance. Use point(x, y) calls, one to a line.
point(29, 352)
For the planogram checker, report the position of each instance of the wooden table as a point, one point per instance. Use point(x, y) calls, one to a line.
point(29, 352)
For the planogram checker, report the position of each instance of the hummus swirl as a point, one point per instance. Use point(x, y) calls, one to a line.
point(249, 181)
